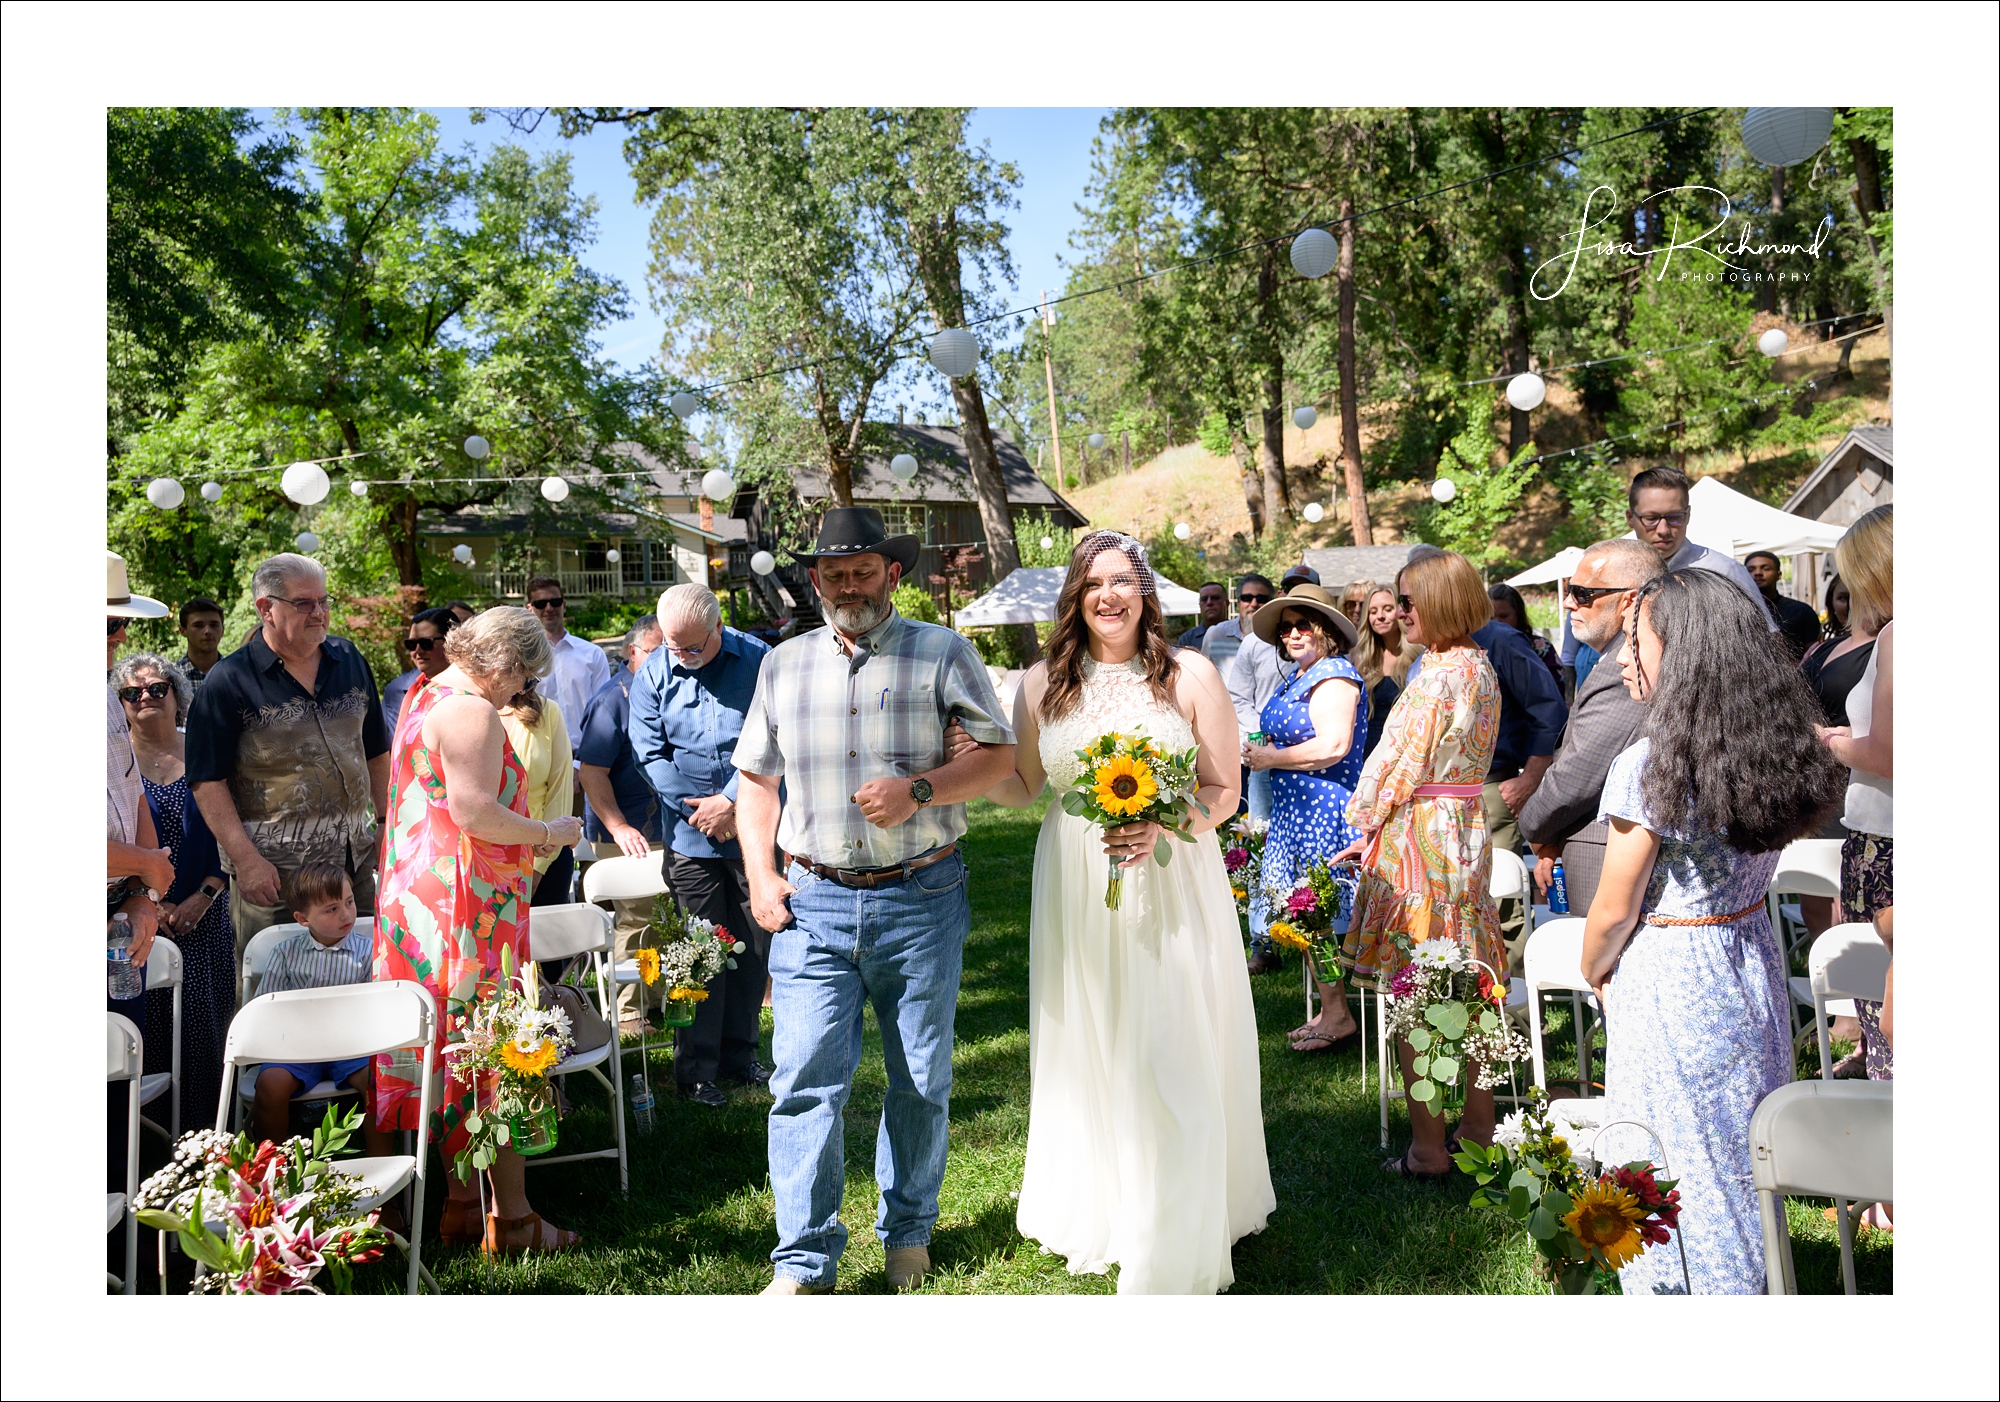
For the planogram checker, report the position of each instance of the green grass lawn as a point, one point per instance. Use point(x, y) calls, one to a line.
point(699, 1217)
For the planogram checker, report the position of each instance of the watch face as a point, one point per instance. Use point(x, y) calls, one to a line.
point(920, 790)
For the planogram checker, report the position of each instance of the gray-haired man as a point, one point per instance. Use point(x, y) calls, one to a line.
point(286, 751)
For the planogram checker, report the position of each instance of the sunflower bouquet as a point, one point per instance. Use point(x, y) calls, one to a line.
point(506, 1049)
point(689, 952)
point(1581, 1215)
point(1129, 779)
point(1312, 917)
point(1452, 1011)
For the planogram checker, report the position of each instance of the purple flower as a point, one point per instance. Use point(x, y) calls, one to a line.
point(1301, 901)
point(1235, 859)
point(1404, 983)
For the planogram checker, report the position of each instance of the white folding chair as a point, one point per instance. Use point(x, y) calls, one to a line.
point(1553, 962)
point(338, 1024)
point(1847, 962)
point(1808, 867)
point(124, 1055)
point(628, 879)
point(1820, 1139)
point(256, 963)
point(566, 932)
point(164, 969)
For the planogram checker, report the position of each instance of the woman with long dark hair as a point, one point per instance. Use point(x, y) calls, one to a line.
point(1833, 667)
point(1686, 966)
point(1145, 1130)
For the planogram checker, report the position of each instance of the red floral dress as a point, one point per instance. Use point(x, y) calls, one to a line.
point(447, 904)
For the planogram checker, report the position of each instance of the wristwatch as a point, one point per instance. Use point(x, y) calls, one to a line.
point(920, 790)
point(213, 891)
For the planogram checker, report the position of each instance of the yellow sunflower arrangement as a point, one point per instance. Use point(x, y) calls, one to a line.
point(1126, 779)
point(530, 1059)
point(1606, 1219)
point(1123, 785)
point(648, 961)
point(1286, 934)
point(688, 995)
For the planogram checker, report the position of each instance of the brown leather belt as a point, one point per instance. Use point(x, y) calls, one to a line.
point(868, 878)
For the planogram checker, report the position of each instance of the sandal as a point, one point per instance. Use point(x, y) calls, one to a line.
point(455, 1225)
point(1304, 1029)
point(498, 1227)
point(1327, 1045)
point(1401, 1168)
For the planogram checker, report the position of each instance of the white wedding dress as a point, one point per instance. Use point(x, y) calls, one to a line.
point(1146, 1131)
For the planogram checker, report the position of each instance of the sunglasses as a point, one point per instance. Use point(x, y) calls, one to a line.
point(1406, 603)
point(114, 626)
point(131, 694)
point(1586, 595)
point(1258, 600)
point(422, 644)
point(546, 603)
point(1297, 625)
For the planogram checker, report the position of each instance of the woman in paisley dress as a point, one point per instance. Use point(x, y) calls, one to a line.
point(456, 856)
point(1687, 968)
point(1426, 865)
point(1145, 1130)
point(1316, 723)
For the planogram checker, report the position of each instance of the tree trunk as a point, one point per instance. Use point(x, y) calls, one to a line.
point(1868, 199)
point(1767, 291)
point(989, 488)
point(1125, 439)
point(1350, 413)
point(1271, 448)
point(1253, 485)
point(399, 529)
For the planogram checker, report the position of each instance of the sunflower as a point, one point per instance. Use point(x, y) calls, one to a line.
point(687, 995)
point(1606, 1217)
point(1287, 935)
point(648, 961)
point(530, 1060)
point(1124, 786)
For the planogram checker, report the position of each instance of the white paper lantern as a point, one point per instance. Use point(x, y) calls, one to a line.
point(763, 562)
point(1096, 442)
point(306, 483)
point(612, 557)
point(1305, 416)
point(718, 485)
point(683, 405)
point(477, 447)
point(306, 541)
point(1773, 342)
point(904, 466)
point(462, 554)
point(1785, 136)
point(955, 352)
point(555, 489)
point(1048, 543)
point(211, 491)
point(1183, 530)
point(166, 493)
point(359, 488)
point(1443, 490)
point(1314, 252)
point(1314, 512)
point(1527, 391)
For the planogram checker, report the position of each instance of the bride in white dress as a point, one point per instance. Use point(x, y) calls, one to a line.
point(1146, 1131)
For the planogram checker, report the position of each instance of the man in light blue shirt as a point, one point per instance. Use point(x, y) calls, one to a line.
point(687, 712)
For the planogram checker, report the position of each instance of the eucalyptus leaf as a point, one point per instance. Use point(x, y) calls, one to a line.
point(1518, 1201)
point(1489, 1021)
point(1419, 1038)
point(1444, 1068)
point(1557, 1203)
point(473, 1122)
point(1162, 853)
point(1421, 1066)
point(1423, 1092)
point(1541, 1224)
point(501, 1133)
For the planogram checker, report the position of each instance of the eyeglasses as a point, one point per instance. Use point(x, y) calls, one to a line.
point(1255, 600)
point(157, 690)
point(1675, 519)
point(546, 603)
point(1586, 595)
point(308, 607)
point(694, 651)
point(422, 644)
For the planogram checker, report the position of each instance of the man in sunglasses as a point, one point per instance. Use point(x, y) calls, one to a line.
point(1222, 641)
point(287, 753)
point(579, 670)
point(1560, 819)
point(425, 645)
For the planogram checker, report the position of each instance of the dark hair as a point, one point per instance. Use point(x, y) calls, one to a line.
point(459, 604)
point(541, 581)
point(1254, 579)
point(312, 883)
point(1731, 721)
point(1332, 642)
point(440, 618)
point(1513, 598)
point(1069, 643)
point(1670, 478)
point(1215, 584)
point(1833, 627)
point(199, 605)
point(1770, 555)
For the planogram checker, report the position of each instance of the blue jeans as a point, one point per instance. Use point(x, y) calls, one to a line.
point(1257, 790)
point(899, 947)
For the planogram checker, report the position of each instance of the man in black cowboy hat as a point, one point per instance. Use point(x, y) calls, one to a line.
point(871, 906)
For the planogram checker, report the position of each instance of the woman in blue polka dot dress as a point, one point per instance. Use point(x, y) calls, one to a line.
point(1317, 727)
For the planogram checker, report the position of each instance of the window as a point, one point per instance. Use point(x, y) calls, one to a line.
point(904, 518)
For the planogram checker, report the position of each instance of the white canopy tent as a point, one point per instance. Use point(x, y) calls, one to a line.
point(1029, 596)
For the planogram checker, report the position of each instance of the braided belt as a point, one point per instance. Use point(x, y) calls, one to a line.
point(1704, 919)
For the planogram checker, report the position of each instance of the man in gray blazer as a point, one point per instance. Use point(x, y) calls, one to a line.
point(1560, 818)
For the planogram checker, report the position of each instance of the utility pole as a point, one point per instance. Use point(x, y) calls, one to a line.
point(1049, 370)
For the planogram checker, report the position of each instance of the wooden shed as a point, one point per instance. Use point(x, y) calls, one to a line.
point(1852, 480)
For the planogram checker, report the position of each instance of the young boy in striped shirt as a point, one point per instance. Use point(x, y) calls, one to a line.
point(329, 952)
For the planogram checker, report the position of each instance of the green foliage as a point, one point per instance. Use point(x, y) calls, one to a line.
point(915, 601)
point(1593, 495)
point(998, 647)
point(1704, 392)
point(1175, 559)
point(1031, 528)
point(1215, 434)
point(1470, 523)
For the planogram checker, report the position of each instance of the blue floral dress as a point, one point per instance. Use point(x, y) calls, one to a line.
point(1696, 1035)
point(1308, 807)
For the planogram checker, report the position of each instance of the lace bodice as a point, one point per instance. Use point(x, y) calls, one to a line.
point(1114, 698)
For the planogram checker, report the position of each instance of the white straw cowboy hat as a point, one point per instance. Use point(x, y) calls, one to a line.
point(1306, 598)
point(119, 600)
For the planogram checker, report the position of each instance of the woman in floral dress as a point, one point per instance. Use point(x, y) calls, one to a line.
point(456, 857)
point(1425, 862)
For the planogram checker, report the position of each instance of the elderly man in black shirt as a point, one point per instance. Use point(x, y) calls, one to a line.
point(286, 751)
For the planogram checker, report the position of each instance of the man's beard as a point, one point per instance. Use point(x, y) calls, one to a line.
point(857, 618)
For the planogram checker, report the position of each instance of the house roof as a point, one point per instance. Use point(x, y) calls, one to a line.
point(1340, 565)
point(728, 530)
point(500, 523)
point(1877, 441)
point(944, 475)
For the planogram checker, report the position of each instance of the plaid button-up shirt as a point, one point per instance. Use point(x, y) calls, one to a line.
point(827, 722)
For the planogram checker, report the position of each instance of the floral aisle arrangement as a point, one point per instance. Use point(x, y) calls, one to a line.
point(1243, 856)
point(505, 1050)
point(1450, 1009)
point(690, 952)
point(286, 1210)
point(1581, 1215)
point(1129, 779)
point(1313, 916)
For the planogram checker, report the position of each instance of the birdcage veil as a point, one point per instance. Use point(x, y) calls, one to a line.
point(1097, 542)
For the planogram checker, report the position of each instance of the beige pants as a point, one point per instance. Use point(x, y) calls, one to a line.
point(248, 919)
point(629, 921)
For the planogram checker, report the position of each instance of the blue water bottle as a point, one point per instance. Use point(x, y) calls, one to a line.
point(1558, 892)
